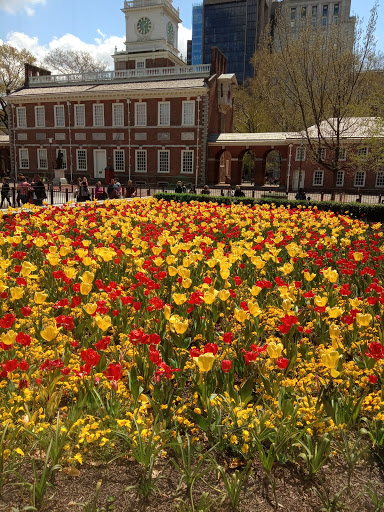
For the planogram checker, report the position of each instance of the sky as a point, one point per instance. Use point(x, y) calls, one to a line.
point(98, 26)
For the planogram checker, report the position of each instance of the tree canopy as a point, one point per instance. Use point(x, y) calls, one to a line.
point(72, 61)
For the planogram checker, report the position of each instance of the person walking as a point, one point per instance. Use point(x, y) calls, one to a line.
point(5, 192)
point(39, 190)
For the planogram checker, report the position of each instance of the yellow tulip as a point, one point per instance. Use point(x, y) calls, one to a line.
point(103, 322)
point(3, 287)
point(334, 312)
point(88, 277)
point(224, 274)
point(8, 338)
point(40, 241)
point(254, 308)
point(330, 359)
point(172, 271)
point(363, 320)
point(331, 275)
point(255, 290)
point(50, 333)
point(53, 258)
point(358, 256)
point(16, 293)
point(180, 327)
point(90, 308)
point(320, 301)
point(287, 268)
point(258, 262)
point(334, 331)
point(104, 253)
point(186, 283)
point(64, 251)
point(40, 297)
point(170, 259)
point(167, 311)
point(309, 277)
point(205, 362)
point(355, 303)
point(156, 250)
point(27, 268)
point(85, 288)
point(240, 315)
point(179, 298)
point(209, 297)
point(275, 349)
point(70, 272)
point(224, 295)
point(86, 261)
point(158, 261)
point(184, 273)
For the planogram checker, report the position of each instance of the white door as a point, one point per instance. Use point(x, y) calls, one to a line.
point(295, 180)
point(99, 163)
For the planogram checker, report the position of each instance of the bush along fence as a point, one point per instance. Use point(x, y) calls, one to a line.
point(368, 212)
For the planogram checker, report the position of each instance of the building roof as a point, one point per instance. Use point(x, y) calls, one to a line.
point(351, 128)
point(233, 139)
point(161, 85)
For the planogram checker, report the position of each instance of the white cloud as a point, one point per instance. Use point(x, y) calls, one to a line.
point(15, 6)
point(184, 34)
point(102, 48)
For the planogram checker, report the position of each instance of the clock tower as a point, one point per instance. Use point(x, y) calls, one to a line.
point(151, 35)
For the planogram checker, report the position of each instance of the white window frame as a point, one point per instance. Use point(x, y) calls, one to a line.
point(340, 183)
point(80, 159)
point(188, 118)
point(98, 115)
point(160, 153)
point(79, 114)
point(184, 163)
point(342, 154)
point(358, 174)
point(140, 63)
point(316, 175)
point(141, 160)
point(64, 164)
point(141, 113)
point(40, 116)
point(21, 116)
point(300, 154)
point(164, 113)
point(380, 179)
point(23, 158)
point(363, 152)
point(59, 114)
point(118, 162)
point(322, 153)
point(42, 159)
point(117, 114)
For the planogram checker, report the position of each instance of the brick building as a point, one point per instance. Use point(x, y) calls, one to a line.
point(149, 119)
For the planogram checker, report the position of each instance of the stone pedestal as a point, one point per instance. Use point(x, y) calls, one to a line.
point(59, 173)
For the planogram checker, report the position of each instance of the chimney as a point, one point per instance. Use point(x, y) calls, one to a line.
point(218, 61)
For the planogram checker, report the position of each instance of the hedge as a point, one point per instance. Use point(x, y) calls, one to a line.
point(368, 212)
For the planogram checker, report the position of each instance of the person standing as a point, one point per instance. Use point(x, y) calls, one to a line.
point(238, 192)
point(130, 191)
point(99, 192)
point(24, 189)
point(5, 192)
point(206, 190)
point(39, 190)
point(118, 189)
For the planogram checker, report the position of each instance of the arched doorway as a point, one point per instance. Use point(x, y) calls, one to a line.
point(273, 167)
point(223, 170)
point(248, 167)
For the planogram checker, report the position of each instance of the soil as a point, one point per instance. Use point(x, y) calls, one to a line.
point(118, 492)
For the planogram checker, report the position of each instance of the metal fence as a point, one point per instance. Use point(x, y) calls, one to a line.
point(66, 193)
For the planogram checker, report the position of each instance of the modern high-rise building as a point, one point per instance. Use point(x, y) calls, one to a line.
point(236, 28)
point(197, 34)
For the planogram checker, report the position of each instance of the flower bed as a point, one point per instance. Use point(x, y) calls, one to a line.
point(254, 331)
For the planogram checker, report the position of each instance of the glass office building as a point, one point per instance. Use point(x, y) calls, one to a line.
point(234, 27)
point(197, 34)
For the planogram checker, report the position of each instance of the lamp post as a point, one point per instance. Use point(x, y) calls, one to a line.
point(301, 159)
point(50, 140)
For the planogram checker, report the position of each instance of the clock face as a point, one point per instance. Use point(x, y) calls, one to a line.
point(144, 26)
point(170, 32)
